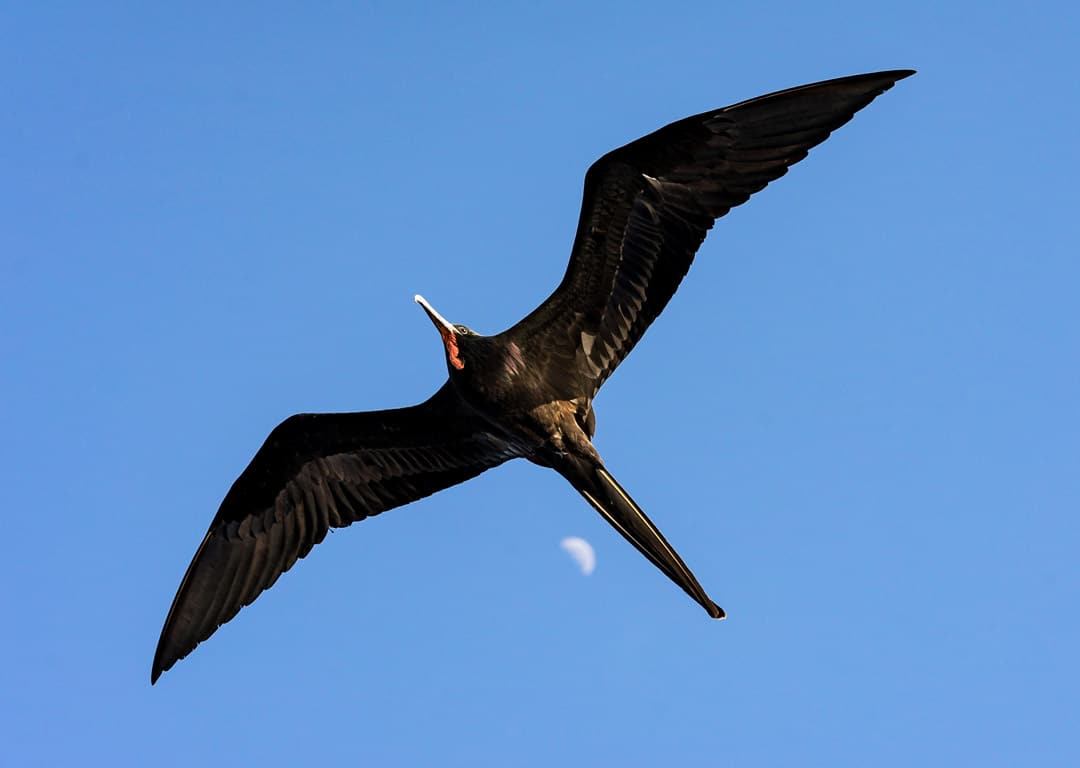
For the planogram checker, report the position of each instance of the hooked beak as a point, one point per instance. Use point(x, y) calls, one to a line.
point(441, 322)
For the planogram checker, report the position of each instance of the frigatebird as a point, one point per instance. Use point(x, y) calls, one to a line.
point(526, 392)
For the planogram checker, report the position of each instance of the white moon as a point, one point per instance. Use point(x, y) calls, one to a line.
point(581, 551)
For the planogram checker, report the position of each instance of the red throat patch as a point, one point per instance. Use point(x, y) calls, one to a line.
point(452, 354)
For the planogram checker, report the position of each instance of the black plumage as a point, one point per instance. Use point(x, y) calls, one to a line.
point(526, 392)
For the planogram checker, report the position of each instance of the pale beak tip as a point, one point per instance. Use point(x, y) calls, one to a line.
point(418, 299)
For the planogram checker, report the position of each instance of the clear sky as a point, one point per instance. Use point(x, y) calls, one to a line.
point(857, 421)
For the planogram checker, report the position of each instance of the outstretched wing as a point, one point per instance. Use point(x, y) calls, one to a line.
point(647, 207)
point(316, 472)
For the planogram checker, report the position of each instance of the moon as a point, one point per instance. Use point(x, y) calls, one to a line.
point(581, 551)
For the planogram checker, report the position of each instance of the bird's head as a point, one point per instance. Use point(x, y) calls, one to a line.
point(454, 337)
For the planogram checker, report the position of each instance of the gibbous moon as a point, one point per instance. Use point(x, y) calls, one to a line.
point(581, 551)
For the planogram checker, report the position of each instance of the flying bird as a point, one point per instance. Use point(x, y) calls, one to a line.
point(526, 392)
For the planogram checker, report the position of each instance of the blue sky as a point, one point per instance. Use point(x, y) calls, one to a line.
point(857, 421)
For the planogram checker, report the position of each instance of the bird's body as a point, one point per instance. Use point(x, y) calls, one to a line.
point(528, 391)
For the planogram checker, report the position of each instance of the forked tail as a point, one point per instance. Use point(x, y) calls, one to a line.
point(615, 505)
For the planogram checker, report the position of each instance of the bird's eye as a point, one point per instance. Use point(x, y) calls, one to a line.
point(464, 330)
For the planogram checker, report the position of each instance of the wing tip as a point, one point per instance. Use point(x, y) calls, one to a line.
point(895, 76)
point(887, 74)
point(161, 663)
